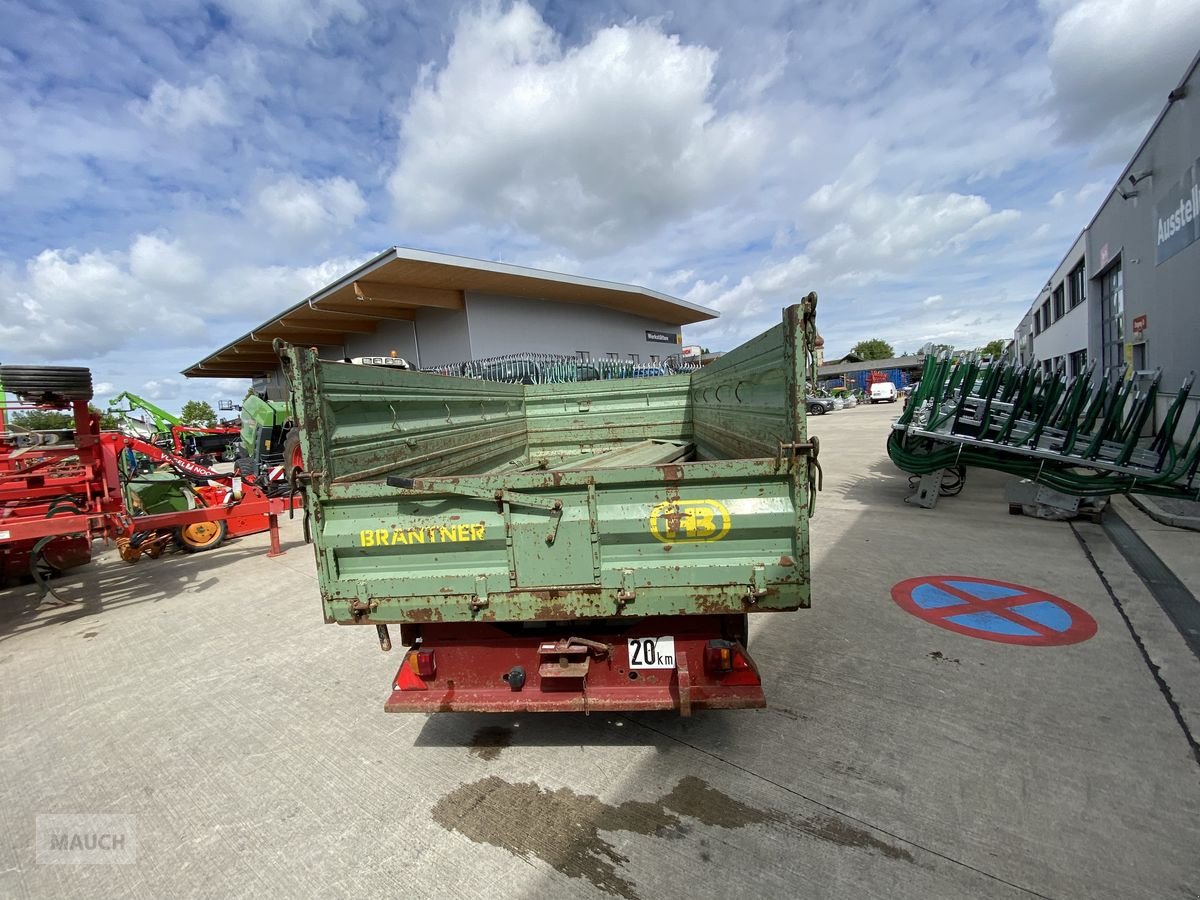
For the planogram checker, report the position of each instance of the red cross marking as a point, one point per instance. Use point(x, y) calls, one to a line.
point(1082, 626)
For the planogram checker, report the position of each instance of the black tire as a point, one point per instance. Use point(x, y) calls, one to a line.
point(816, 409)
point(293, 461)
point(48, 384)
point(245, 467)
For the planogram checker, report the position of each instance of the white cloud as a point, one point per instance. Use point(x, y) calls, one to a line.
point(293, 20)
point(181, 109)
point(585, 147)
point(1112, 63)
point(155, 261)
point(83, 305)
point(866, 235)
point(159, 388)
point(871, 233)
point(295, 208)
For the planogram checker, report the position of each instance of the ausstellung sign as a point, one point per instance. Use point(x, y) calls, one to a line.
point(1177, 216)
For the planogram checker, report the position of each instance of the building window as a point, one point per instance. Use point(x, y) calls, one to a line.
point(635, 358)
point(1077, 362)
point(1037, 321)
point(1046, 315)
point(1059, 305)
point(1078, 285)
point(611, 355)
point(653, 360)
point(1112, 319)
point(583, 355)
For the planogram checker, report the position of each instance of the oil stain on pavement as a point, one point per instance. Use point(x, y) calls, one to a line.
point(563, 828)
point(489, 741)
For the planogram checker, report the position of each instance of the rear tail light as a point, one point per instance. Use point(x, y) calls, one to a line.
point(422, 663)
point(416, 667)
point(718, 656)
point(730, 662)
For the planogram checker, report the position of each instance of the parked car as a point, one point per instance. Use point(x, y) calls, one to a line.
point(883, 392)
point(818, 406)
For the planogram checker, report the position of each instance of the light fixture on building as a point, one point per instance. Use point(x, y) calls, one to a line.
point(1134, 178)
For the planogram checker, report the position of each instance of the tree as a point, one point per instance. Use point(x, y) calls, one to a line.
point(57, 420)
point(873, 349)
point(198, 412)
point(41, 420)
point(994, 349)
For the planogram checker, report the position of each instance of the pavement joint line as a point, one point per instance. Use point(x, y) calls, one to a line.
point(845, 815)
point(1163, 687)
point(1164, 585)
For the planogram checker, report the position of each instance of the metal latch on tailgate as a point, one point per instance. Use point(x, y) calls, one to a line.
point(816, 477)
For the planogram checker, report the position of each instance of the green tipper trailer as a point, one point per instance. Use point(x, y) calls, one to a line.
point(584, 546)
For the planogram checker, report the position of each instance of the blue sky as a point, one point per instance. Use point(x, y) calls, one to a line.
point(173, 173)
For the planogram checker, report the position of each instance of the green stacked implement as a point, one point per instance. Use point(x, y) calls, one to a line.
point(1087, 435)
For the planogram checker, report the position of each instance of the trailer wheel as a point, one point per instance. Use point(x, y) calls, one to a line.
point(48, 384)
point(201, 536)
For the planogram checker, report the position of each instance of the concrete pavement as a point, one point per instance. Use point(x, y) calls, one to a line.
point(203, 697)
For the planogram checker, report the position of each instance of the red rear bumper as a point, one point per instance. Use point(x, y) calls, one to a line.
point(483, 668)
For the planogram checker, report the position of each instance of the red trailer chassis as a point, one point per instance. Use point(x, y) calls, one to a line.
point(485, 667)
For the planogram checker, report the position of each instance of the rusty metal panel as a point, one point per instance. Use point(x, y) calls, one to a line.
point(742, 404)
point(695, 537)
point(478, 525)
point(371, 421)
point(594, 415)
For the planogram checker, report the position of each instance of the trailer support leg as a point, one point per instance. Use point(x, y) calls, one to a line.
point(926, 494)
point(273, 525)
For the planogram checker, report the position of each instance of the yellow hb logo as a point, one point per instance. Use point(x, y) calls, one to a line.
point(683, 521)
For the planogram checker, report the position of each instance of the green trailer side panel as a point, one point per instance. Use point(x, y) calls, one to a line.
point(496, 534)
point(591, 415)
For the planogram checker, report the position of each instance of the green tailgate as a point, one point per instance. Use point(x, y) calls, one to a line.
point(491, 530)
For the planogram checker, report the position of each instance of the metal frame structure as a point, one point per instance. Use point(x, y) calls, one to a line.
point(1083, 436)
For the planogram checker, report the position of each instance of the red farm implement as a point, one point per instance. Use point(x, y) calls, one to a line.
point(62, 490)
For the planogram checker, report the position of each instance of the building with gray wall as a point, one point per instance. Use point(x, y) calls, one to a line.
point(1130, 286)
point(433, 309)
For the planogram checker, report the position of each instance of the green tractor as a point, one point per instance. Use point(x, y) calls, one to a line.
point(270, 446)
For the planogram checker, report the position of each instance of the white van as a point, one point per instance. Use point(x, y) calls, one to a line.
point(882, 392)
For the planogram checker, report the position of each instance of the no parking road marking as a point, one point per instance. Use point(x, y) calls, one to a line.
point(994, 610)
